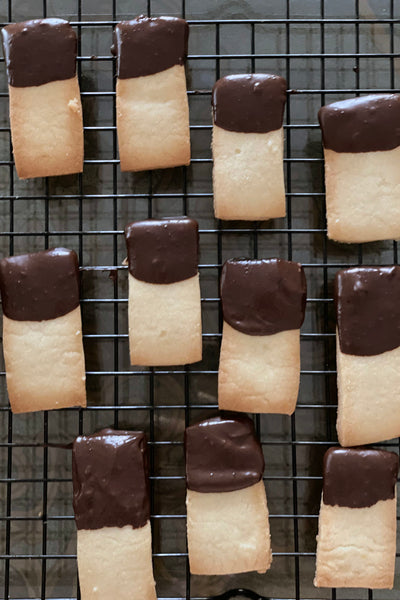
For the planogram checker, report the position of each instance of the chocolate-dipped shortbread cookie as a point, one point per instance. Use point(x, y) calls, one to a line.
point(357, 520)
point(45, 102)
point(112, 515)
point(368, 354)
point(227, 514)
point(361, 139)
point(42, 330)
point(248, 147)
point(263, 304)
point(152, 105)
point(164, 292)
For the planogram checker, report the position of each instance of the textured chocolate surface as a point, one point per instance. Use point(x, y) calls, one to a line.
point(359, 477)
point(249, 103)
point(145, 46)
point(365, 124)
point(40, 286)
point(263, 297)
point(223, 454)
point(368, 309)
point(110, 479)
point(163, 250)
point(39, 51)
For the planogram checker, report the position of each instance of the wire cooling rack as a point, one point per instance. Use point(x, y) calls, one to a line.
point(326, 51)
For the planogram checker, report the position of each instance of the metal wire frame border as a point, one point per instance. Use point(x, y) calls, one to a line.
point(221, 229)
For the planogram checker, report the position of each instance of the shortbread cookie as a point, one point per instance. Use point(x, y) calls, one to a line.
point(357, 521)
point(227, 514)
point(112, 515)
point(248, 147)
point(42, 330)
point(164, 292)
point(263, 304)
point(368, 354)
point(152, 105)
point(361, 139)
point(45, 103)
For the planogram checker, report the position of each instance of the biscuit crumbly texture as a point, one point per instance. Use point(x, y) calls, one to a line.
point(45, 365)
point(362, 195)
point(115, 562)
point(153, 121)
point(356, 546)
point(228, 532)
point(47, 129)
point(164, 322)
point(368, 402)
point(248, 176)
point(259, 374)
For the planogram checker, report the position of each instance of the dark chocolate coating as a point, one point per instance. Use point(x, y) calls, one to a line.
point(145, 46)
point(359, 477)
point(110, 479)
point(39, 51)
point(40, 286)
point(365, 124)
point(249, 103)
point(263, 297)
point(223, 454)
point(368, 309)
point(163, 250)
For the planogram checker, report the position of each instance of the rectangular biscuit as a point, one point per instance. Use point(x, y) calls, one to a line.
point(247, 147)
point(152, 104)
point(42, 330)
point(227, 514)
point(164, 292)
point(361, 139)
point(45, 104)
point(263, 304)
point(112, 514)
point(357, 522)
point(368, 354)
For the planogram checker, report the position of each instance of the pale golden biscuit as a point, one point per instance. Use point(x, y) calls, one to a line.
point(153, 120)
point(105, 552)
point(362, 195)
point(248, 175)
point(164, 322)
point(259, 374)
point(357, 546)
point(45, 365)
point(47, 128)
point(368, 405)
point(228, 532)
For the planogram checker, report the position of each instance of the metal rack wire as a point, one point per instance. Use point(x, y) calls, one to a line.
point(325, 52)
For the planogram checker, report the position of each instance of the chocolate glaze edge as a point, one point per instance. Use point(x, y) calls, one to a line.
point(110, 480)
point(163, 251)
point(359, 477)
point(223, 454)
point(39, 51)
point(146, 46)
point(263, 297)
point(40, 286)
point(364, 124)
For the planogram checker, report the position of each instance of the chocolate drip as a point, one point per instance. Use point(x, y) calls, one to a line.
point(145, 46)
point(40, 286)
point(366, 124)
point(38, 52)
point(249, 103)
point(163, 250)
point(368, 309)
point(110, 479)
point(223, 454)
point(359, 477)
point(263, 297)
